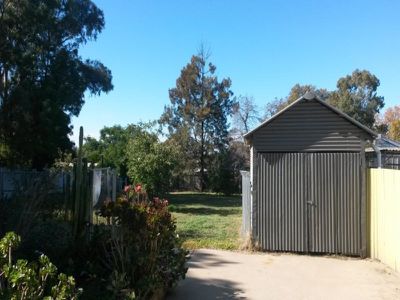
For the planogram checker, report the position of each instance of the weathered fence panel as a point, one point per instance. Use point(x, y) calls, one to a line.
point(105, 183)
point(246, 203)
point(384, 214)
point(14, 180)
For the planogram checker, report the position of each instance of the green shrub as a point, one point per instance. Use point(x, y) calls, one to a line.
point(142, 250)
point(51, 236)
point(36, 280)
point(151, 163)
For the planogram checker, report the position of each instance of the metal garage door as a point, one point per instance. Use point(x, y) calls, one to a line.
point(309, 202)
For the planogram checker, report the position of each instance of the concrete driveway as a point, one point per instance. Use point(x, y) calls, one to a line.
point(215, 274)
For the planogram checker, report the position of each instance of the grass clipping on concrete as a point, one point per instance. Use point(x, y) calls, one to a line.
point(207, 220)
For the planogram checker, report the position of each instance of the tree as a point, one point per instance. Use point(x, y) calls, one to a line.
point(93, 151)
point(197, 115)
point(394, 130)
point(390, 122)
point(111, 148)
point(356, 95)
point(237, 156)
point(222, 173)
point(295, 93)
point(43, 78)
point(245, 114)
point(151, 163)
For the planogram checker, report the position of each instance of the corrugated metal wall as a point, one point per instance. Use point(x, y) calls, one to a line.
point(308, 202)
point(309, 126)
point(280, 214)
point(246, 203)
point(390, 160)
point(384, 220)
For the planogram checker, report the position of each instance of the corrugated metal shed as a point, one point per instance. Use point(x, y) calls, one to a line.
point(308, 180)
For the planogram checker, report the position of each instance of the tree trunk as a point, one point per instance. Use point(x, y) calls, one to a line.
point(202, 158)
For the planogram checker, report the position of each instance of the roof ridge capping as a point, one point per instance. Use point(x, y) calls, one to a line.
point(308, 96)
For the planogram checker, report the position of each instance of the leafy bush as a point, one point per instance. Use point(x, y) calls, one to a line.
point(142, 249)
point(151, 163)
point(51, 236)
point(37, 280)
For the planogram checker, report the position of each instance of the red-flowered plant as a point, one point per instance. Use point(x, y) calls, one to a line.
point(142, 251)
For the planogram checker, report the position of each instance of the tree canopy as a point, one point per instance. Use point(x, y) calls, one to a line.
point(245, 115)
point(151, 162)
point(389, 123)
point(356, 95)
point(110, 150)
point(43, 78)
point(295, 93)
point(197, 117)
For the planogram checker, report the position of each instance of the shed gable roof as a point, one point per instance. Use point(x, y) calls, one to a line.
point(311, 97)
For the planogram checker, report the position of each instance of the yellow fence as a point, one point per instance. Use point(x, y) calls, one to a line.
point(384, 215)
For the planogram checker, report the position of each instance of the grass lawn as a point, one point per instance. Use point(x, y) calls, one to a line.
point(207, 220)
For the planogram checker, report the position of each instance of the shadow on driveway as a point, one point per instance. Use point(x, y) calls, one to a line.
point(208, 260)
point(216, 274)
point(196, 288)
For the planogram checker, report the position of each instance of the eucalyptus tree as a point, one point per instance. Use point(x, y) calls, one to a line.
point(43, 79)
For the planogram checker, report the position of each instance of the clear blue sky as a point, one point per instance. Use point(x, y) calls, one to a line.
point(265, 47)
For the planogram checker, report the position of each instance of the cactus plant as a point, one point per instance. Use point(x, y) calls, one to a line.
point(80, 196)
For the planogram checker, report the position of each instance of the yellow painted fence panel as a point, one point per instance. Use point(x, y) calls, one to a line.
point(384, 215)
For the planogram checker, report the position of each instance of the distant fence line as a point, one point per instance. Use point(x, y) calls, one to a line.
point(105, 183)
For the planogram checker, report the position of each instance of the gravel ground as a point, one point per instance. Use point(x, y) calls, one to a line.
point(216, 274)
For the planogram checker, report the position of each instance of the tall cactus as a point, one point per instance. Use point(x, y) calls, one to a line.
point(81, 202)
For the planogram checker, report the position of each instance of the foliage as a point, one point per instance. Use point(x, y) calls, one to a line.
point(356, 95)
point(206, 220)
point(44, 79)
point(222, 174)
point(295, 93)
point(141, 248)
point(245, 115)
point(394, 130)
point(156, 262)
point(63, 162)
point(389, 123)
point(38, 280)
point(52, 236)
point(197, 116)
point(111, 148)
point(151, 162)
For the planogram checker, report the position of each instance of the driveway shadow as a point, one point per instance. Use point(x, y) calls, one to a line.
point(207, 260)
point(210, 288)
